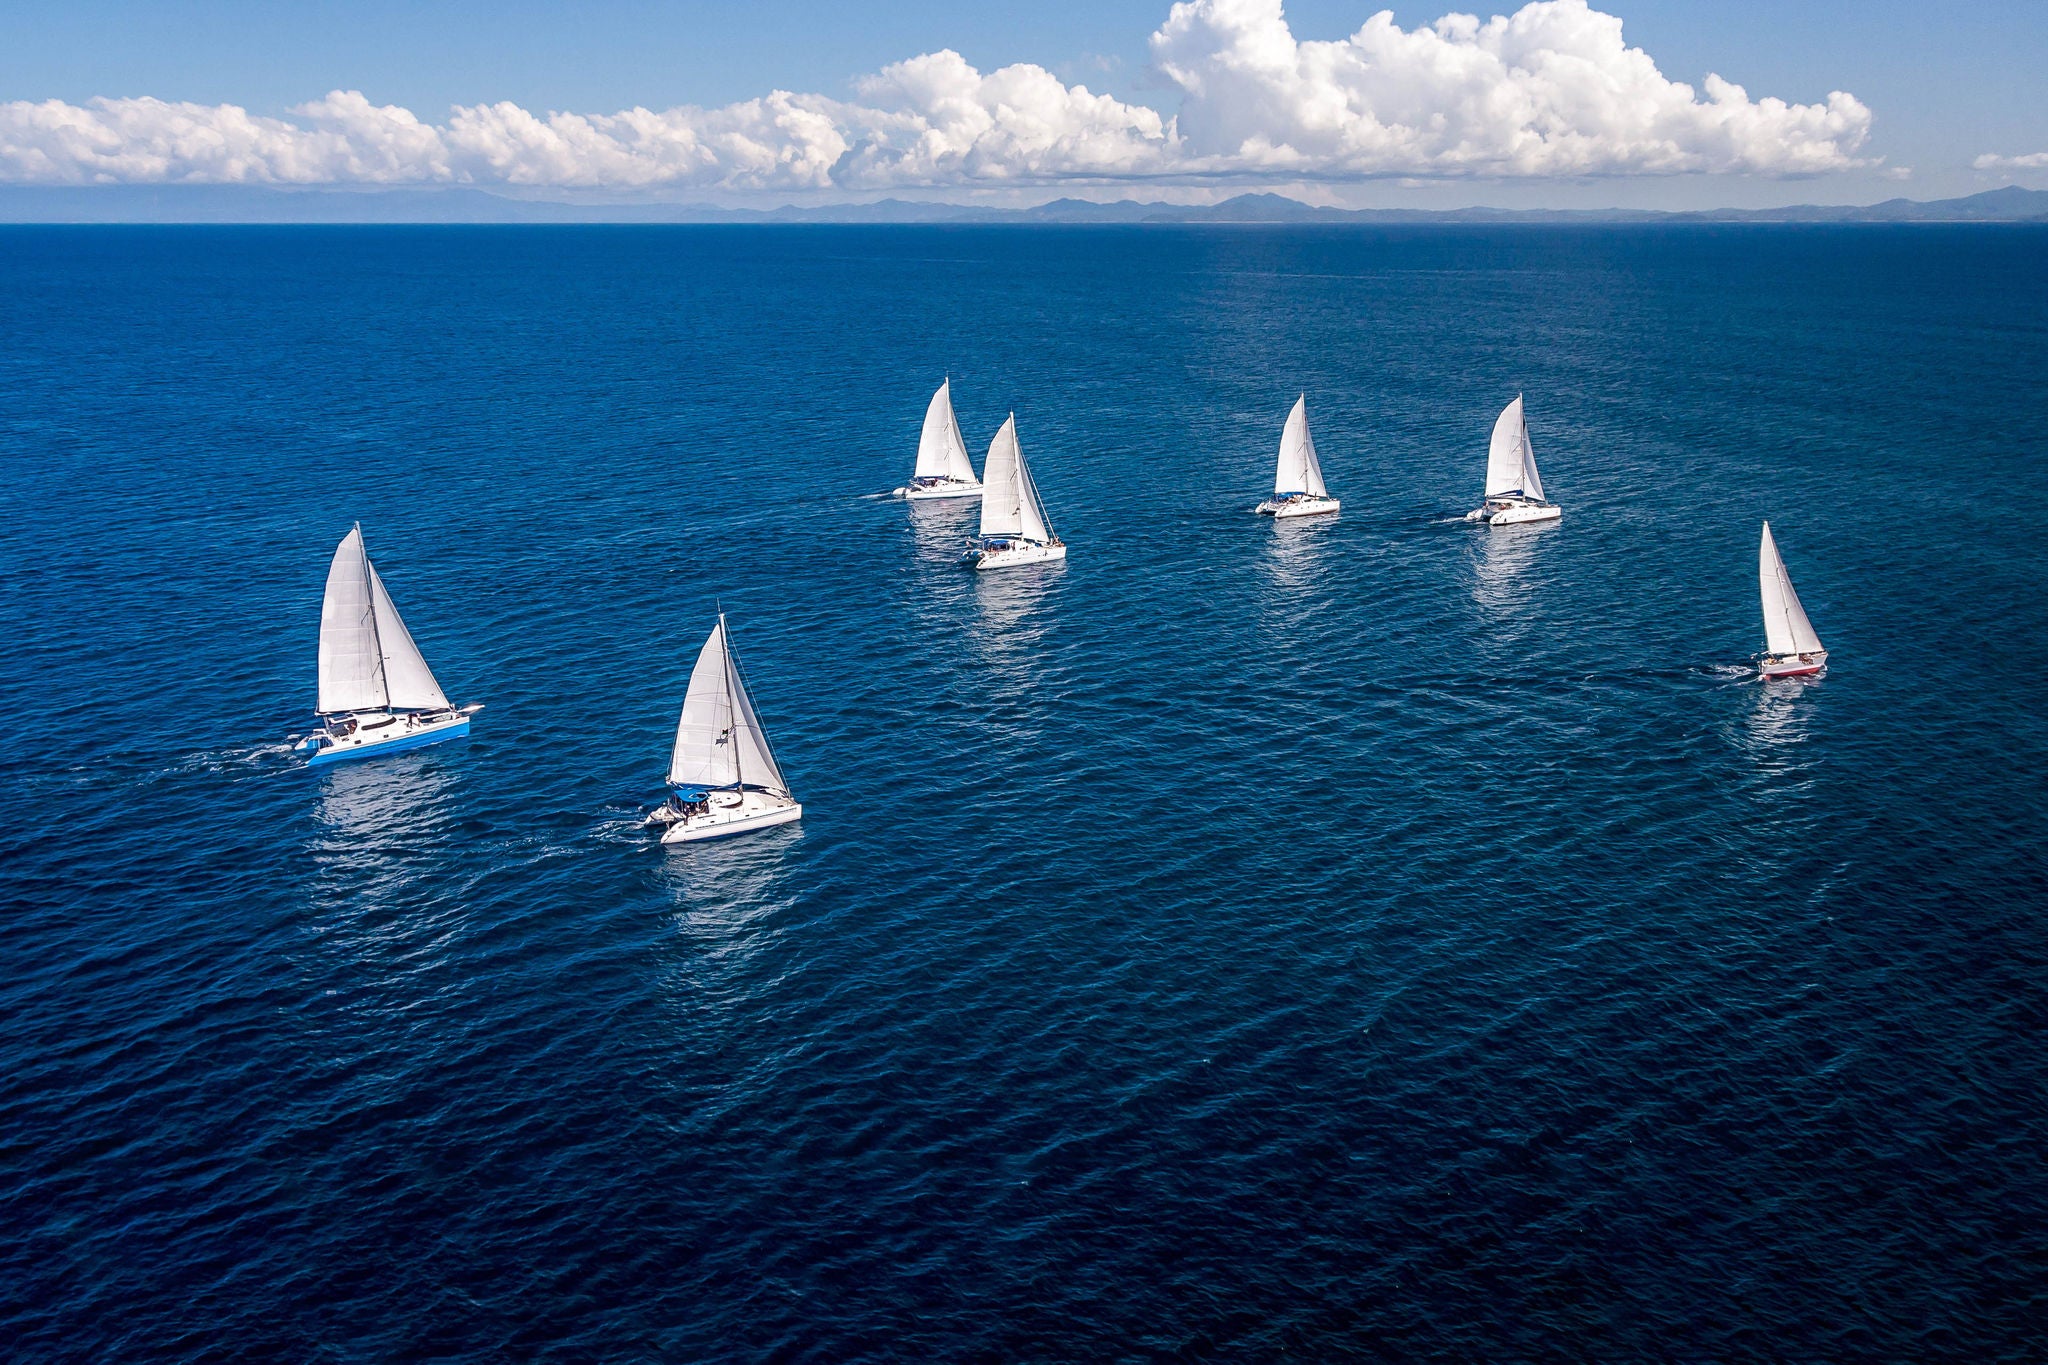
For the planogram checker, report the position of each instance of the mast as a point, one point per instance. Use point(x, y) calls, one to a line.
point(376, 636)
point(732, 710)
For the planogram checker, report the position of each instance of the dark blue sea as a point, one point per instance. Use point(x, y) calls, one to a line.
point(1370, 938)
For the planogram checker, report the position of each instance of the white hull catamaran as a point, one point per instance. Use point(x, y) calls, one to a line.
point(1013, 526)
point(377, 695)
point(1298, 489)
point(943, 469)
point(1792, 649)
point(722, 775)
point(1514, 490)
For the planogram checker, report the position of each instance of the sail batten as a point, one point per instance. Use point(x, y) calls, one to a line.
point(941, 450)
point(1786, 628)
point(719, 740)
point(1298, 470)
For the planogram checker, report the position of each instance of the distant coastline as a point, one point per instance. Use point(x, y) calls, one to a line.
point(167, 204)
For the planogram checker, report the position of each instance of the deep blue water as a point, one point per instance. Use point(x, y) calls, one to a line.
point(1381, 938)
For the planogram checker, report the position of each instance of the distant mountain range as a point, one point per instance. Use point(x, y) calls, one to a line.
point(249, 204)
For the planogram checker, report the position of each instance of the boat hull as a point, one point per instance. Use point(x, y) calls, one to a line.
point(949, 489)
point(1298, 507)
point(1517, 514)
point(1016, 556)
point(397, 737)
point(1792, 666)
point(757, 810)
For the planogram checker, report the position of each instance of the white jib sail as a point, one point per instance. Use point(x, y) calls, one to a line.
point(1299, 470)
point(941, 452)
point(1510, 468)
point(351, 663)
point(719, 740)
point(407, 678)
point(1786, 629)
point(1532, 483)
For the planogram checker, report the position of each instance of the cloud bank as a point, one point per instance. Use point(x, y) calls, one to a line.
point(1551, 90)
point(1991, 161)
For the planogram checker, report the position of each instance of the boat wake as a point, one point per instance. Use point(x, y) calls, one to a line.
point(271, 756)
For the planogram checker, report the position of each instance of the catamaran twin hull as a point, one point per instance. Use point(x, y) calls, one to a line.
point(1300, 506)
point(949, 488)
point(1516, 513)
point(1794, 666)
point(374, 736)
point(726, 814)
point(1015, 556)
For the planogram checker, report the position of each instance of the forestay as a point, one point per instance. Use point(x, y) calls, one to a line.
point(1510, 460)
point(1009, 500)
point(719, 740)
point(1299, 470)
point(941, 452)
point(1786, 629)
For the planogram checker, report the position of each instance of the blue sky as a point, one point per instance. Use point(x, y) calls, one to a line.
point(1940, 89)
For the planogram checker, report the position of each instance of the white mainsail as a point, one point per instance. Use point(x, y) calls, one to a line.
point(1786, 629)
point(1009, 501)
point(941, 452)
point(1510, 460)
point(1299, 471)
point(368, 661)
point(351, 664)
point(719, 740)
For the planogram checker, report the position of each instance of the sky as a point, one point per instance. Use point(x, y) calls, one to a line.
point(1566, 103)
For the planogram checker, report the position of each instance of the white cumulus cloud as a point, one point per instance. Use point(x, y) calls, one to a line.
point(2032, 161)
point(1551, 90)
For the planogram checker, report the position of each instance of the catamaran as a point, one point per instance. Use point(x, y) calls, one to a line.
point(1514, 491)
point(722, 776)
point(377, 695)
point(1298, 489)
point(1013, 526)
point(1792, 649)
point(943, 469)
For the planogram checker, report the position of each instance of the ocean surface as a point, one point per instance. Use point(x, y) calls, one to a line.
point(1375, 937)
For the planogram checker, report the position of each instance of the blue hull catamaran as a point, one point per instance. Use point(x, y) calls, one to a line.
point(722, 776)
point(377, 695)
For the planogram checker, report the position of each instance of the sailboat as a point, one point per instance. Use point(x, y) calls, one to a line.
point(1514, 491)
point(1792, 649)
point(1298, 489)
point(377, 695)
point(722, 776)
point(1013, 527)
point(943, 469)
